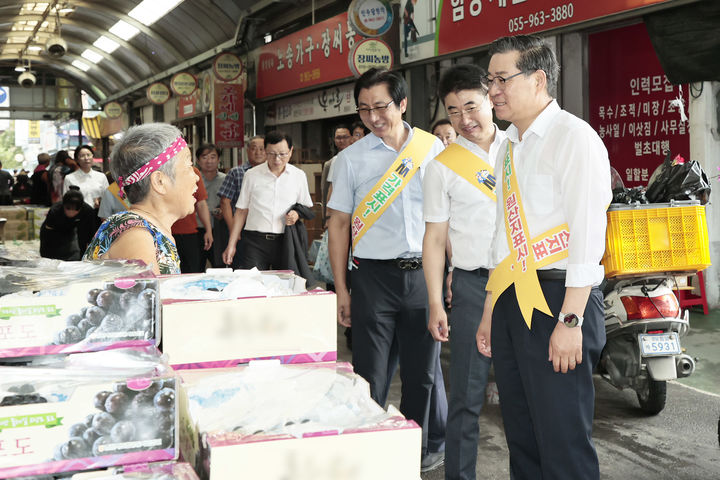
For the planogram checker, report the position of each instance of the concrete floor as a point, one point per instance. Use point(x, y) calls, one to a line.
point(679, 443)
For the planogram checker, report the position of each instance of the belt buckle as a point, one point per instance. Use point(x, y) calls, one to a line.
point(408, 264)
point(269, 236)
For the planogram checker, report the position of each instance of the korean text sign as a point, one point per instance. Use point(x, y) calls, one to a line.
point(228, 112)
point(464, 24)
point(633, 106)
point(312, 56)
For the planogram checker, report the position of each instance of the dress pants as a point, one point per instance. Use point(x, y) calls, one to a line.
point(260, 250)
point(389, 303)
point(190, 250)
point(468, 373)
point(547, 415)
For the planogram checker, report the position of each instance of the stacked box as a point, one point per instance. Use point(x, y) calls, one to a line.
point(274, 422)
point(86, 411)
point(292, 324)
point(19, 225)
point(144, 471)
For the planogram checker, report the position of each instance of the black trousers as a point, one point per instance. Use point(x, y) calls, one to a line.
point(190, 250)
point(547, 415)
point(260, 250)
point(387, 304)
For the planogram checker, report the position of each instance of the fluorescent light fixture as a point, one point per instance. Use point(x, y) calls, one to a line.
point(19, 68)
point(81, 65)
point(34, 48)
point(105, 44)
point(149, 11)
point(92, 56)
point(124, 30)
point(268, 37)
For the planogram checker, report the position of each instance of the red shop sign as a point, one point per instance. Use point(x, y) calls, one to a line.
point(466, 24)
point(312, 56)
point(633, 106)
point(228, 112)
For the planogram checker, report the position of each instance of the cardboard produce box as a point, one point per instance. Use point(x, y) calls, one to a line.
point(143, 471)
point(297, 327)
point(57, 315)
point(279, 441)
point(86, 411)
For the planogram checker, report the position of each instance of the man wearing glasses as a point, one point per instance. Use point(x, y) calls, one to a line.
point(264, 206)
point(376, 205)
point(459, 193)
point(547, 325)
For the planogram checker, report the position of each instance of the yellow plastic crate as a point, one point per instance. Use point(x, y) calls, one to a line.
point(652, 239)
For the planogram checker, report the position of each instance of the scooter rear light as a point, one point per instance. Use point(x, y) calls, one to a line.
point(639, 308)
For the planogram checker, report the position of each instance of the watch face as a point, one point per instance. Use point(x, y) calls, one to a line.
point(570, 320)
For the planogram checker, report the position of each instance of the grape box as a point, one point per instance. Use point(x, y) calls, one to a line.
point(72, 426)
point(143, 471)
point(80, 317)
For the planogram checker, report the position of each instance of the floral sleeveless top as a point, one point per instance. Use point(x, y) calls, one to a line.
point(115, 225)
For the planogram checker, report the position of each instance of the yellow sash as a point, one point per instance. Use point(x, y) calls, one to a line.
point(115, 190)
point(470, 167)
point(391, 183)
point(520, 267)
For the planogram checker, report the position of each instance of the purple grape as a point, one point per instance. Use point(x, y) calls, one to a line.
point(73, 320)
point(57, 452)
point(116, 403)
point(168, 438)
point(103, 422)
point(165, 399)
point(95, 315)
point(122, 431)
point(75, 447)
point(69, 335)
point(26, 388)
point(90, 332)
point(84, 326)
point(165, 422)
point(82, 311)
point(104, 440)
point(88, 420)
point(92, 296)
point(112, 323)
point(90, 435)
point(105, 299)
point(147, 298)
point(99, 400)
point(127, 300)
point(77, 430)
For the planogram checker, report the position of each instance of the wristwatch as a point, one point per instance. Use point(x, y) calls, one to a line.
point(570, 319)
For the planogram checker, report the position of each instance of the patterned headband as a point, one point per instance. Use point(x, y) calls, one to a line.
point(151, 166)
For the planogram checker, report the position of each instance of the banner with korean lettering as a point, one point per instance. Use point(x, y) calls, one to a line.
point(464, 24)
point(311, 56)
point(637, 112)
point(228, 112)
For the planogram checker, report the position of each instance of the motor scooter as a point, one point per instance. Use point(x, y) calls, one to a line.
point(644, 325)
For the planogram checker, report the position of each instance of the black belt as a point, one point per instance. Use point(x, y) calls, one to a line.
point(552, 274)
point(266, 236)
point(414, 263)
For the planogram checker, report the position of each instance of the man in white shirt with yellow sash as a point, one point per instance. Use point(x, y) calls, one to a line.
point(376, 205)
point(459, 203)
point(553, 178)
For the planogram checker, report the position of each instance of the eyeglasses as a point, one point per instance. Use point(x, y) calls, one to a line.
point(281, 155)
point(500, 81)
point(457, 114)
point(368, 111)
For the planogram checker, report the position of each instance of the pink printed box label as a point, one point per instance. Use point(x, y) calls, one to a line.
point(285, 359)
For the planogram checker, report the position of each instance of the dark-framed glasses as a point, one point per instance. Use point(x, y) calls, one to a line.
point(380, 109)
point(280, 155)
point(500, 81)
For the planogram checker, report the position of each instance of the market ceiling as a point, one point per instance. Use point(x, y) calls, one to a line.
point(112, 45)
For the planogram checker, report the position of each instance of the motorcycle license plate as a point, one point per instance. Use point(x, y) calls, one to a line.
point(652, 344)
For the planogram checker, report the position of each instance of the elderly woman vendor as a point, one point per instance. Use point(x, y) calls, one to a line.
point(153, 168)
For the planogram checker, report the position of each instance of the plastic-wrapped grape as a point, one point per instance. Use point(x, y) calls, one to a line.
point(103, 422)
point(165, 422)
point(84, 326)
point(122, 431)
point(92, 296)
point(147, 298)
point(77, 430)
point(57, 453)
point(100, 442)
point(116, 403)
point(112, 323)
point(88, 419)
point(95, 315)
point(82, 311)
point(168, 438)
point(127, 300)
point(26, 388)
point(69, 335)
point(105, 299)
point(90, 435)
point(73, 320)
point(99, 400)
point(90, 332)
point(165, 399)
point(75, 447)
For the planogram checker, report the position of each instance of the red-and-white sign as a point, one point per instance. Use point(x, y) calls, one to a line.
point(228, 113)
point(464, 24)
point(312, 56)
point(633, 106)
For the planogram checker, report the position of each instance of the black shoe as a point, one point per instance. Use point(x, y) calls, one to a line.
point(431, 461)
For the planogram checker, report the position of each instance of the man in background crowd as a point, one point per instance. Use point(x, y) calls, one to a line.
point(230, 189)
point(444, 130)
point(341, 139)
point(190, 244)
point(41, 181)
point(208, 159)
point(6, 182)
